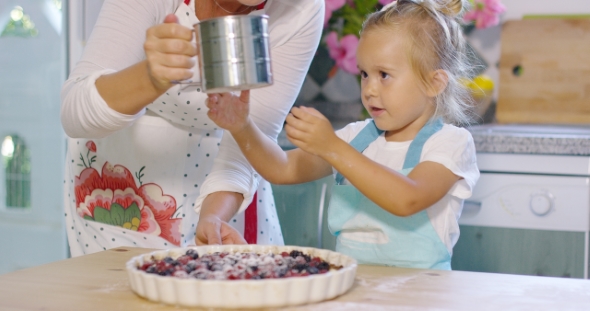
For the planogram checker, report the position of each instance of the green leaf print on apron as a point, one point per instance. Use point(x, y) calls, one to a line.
point(386, 239)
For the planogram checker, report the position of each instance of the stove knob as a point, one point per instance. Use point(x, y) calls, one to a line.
point(541, 203)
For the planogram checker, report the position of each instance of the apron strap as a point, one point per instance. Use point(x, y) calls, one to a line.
point(361, 141)
point(415, 150)
point(370, 133)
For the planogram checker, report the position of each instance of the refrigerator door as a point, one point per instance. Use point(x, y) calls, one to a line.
point(32, 151)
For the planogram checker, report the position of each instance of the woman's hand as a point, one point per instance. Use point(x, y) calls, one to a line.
point(170, 53)
point(212, 230)
point(228, 111)
point(309, 130)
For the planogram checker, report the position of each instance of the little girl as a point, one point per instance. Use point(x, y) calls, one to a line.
point(401, 176)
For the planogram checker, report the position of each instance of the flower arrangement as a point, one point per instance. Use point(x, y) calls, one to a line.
point(344, 19)
point(484, 13)
point(342, 24)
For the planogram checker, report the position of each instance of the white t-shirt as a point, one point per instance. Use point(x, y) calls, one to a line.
point(452, 147)
point(170, 156)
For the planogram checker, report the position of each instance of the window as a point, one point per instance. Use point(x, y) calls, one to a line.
point(16, 162)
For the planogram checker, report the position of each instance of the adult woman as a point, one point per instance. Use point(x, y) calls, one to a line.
point(135, 173)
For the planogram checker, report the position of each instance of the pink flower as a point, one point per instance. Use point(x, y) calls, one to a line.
point(91, 146)
point(331, 6)
point(385, 2)
point(343, 51)
point(485, 13)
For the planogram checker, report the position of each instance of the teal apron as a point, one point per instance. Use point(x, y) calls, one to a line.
point(403, 241)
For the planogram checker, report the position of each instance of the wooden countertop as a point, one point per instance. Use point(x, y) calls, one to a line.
point(99, 282)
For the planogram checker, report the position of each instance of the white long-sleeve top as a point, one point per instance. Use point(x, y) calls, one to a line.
point(172, 144)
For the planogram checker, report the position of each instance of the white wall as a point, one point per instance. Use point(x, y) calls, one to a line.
point(32, 71)
point(515, 9)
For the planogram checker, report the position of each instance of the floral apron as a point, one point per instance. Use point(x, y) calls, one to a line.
point(138, 186)
point(393, 241)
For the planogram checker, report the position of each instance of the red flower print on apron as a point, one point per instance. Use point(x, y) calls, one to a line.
point(112, 197)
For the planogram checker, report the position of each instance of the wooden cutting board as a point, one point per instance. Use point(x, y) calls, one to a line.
point(545, 72)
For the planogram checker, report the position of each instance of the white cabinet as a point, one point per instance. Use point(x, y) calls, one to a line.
point(529, 214)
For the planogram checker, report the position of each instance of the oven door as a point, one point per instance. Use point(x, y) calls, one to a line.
point(526, 224)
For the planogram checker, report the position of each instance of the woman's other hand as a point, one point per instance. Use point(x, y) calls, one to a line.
point(310, 130)
point(170, 53)
point(228, 111)
point(212, 230)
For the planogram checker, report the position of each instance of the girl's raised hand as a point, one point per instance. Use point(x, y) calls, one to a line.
point(310, 130)
point(229, 111)
point(170, 52)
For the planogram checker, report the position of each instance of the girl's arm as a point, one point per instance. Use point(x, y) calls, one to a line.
point(266, 156)
point(295, 32)
point(400, 195)
point(427, 183)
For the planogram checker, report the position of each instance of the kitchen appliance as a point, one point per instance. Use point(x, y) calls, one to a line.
point(544, 66)
point(530, 211)
point(234, 53)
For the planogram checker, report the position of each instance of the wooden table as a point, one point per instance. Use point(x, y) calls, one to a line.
point(99, 282)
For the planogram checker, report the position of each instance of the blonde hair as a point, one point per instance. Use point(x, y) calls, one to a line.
point(435, 42)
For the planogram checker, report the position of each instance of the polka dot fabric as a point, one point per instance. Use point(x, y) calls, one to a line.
point(178, 164)
point(184, 105)
point(163, 174)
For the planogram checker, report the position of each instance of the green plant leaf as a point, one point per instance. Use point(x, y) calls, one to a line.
point(352, 16)
point(366, 6)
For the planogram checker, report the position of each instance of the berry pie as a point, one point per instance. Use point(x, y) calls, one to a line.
point(238, 266)
point(254, 276)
